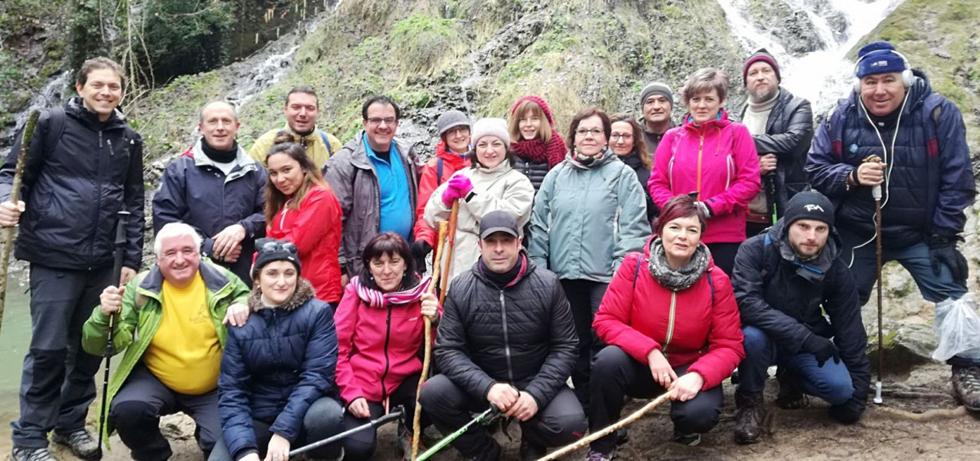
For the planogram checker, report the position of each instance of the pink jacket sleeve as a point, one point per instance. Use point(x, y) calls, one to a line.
point(345, 320)
point(746, 184)
point(659, 182)
point(612, 321)
point(725, 348)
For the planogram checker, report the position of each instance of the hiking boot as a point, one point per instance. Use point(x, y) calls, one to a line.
point(748, 418)
point(691, 440)
point(622, 436)
point(791, 396)
point(596, 456)
point(966, 386)
point(31, 454)
point(82, 444)
point(531, 451)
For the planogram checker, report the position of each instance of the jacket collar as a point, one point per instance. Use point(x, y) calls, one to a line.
point(76, 108)
point(359, 156)
point(813, 270)
point(214, 278)
point(606, 157)
point(719, 122)
point(244, 163)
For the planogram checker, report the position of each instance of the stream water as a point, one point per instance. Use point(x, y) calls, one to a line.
point(14, 338)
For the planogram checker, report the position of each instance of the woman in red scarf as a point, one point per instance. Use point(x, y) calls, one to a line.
point(536, 144)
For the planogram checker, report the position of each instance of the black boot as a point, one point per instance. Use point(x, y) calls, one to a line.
point(791, 396)
point(966, 386)
point(748, 418)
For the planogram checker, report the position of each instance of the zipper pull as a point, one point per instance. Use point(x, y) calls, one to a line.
point(109, 143)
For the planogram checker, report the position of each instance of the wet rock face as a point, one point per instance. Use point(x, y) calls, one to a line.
point(790, 25)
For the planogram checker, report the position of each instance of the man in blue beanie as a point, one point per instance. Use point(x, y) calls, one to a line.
point(896, 139)
point(785, 279)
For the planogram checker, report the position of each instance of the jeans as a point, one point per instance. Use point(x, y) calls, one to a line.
point(830, 382)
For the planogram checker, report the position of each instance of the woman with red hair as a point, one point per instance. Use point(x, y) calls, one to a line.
point(671, 324)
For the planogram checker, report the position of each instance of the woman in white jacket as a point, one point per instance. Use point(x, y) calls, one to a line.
point(489, 184)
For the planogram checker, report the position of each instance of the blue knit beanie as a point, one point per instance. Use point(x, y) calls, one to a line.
point(878, 57)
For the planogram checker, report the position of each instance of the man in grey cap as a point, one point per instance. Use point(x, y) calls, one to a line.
point(656, 103)
point(507, 339)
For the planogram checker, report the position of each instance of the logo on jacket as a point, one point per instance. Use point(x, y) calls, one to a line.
point(811, 208)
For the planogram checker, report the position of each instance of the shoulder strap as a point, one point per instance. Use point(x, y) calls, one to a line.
point(711, 285)
point(326, 142)
point(56, 127)
point(438, 170)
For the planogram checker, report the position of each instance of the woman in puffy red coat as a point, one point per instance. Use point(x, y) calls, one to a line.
point(301, 208)
point(670, 322)
point(714, 159)
point(379, 335)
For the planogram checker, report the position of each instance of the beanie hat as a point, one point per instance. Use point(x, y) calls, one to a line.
point(537, 100)
point(656, 88)
point(496, 127)
point(809, 204)
point(762, 55)
point(879, 57)
point(268, 250)
point(451, 119)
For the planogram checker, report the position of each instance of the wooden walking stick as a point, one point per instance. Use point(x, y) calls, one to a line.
point(450, 251)
point(585, 441)
point(8, 232)
point(427, 348)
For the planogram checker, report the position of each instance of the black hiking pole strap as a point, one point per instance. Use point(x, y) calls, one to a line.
point(393, 416)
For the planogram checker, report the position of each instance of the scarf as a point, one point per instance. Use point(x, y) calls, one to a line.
point(509, 278)
point(220, 156)
point(539, 151)
point(379, 300)
point(677, 279)
point(303, 293)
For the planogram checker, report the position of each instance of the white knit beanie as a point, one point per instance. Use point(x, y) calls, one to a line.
point(496, 127)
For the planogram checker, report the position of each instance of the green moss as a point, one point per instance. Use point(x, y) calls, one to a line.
point(420, 43)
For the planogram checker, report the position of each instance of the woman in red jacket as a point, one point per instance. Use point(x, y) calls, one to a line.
point(712, 158)
point(670, 322)
point(301, 207)
point(379, 335)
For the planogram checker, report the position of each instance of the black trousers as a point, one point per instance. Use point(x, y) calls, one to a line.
point(724, 255)
point(560, 422)
point(57, 381)
point(136, 410)
point(584, 297)
point(361, 445)
point(621, 375)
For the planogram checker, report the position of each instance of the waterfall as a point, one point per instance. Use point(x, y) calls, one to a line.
point(835, 26)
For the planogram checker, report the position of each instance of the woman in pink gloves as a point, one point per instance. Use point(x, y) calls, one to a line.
point(491, 183)
point(714, 160)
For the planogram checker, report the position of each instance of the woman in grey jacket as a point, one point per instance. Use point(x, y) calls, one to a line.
point(589, 212)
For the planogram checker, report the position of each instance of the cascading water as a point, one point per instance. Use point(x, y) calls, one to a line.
point(823, 75)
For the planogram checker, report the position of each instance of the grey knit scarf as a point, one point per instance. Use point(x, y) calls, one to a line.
point(677, 279)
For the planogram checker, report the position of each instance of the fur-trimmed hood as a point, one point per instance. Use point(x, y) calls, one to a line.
point(303, 293)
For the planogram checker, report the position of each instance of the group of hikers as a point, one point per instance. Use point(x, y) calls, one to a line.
point(627, 258)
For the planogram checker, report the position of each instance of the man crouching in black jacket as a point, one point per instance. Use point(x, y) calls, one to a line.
point(506, 338)
point(782, 280)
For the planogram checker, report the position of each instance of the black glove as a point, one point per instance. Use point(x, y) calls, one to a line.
point(942, 250)
point(848, 412)
point(822, 348)
point(420, 248)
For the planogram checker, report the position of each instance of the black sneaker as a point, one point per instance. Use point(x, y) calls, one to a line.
point(691, 440)
point(31, 454)
point(966, 386)
point(82, 444)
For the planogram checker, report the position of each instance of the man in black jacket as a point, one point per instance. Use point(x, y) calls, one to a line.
point(782, 125)
point(785, 280)
point(506, 338)
point(84, 165)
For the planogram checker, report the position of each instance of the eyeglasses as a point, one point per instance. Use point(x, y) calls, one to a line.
point(595, 132)
point(272, 245)
point(621, 135)
point(375, 121)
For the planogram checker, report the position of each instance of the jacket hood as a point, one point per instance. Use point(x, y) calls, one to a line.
point(76, 108)
point(303, 293)
point(457, 161)
point(813, 270)
point(214, 278)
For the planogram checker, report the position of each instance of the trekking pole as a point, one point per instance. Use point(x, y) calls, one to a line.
point(8, 232)
point(445, 441)
point(450, 252)
point(427, 350)
point(876, 193)
point(770, 180)
point(585, 441)
point(395, 415)
point(117, 264)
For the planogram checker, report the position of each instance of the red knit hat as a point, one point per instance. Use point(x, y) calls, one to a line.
point(537, 100)
point(764, 56)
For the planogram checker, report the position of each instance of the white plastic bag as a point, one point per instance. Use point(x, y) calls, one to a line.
point(957, 328)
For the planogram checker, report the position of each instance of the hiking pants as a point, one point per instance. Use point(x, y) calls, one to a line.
point(621, 376)
point(57, 381)
point(561, 421)
point(361, 445)
point(584, 297)
point(830, 382)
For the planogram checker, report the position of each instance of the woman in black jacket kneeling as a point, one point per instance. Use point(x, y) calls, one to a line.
point(277, 388)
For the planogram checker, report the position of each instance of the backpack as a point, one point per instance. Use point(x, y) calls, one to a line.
point(326, 142)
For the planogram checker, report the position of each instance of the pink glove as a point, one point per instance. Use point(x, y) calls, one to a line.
point(457, 188)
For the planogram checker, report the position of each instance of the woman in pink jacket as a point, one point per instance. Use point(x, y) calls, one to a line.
point(379, 335)
point(713, 159)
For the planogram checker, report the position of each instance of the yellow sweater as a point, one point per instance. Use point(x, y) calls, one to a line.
point(312, 142)
point(185, 354)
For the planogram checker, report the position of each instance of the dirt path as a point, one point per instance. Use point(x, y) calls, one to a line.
point(807, 434)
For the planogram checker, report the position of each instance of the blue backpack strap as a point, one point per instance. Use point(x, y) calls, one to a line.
point(438, 170)
point(326, 142)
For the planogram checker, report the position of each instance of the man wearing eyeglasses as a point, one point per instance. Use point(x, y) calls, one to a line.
point(218, 189)
point(171, 323)
point(375, 179)
point(782, 126)
point(302, 110)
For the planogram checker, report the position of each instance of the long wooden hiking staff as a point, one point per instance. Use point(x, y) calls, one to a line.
point(585, 441)
point(447, 239)
point(8, 233)
point(117, 264)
